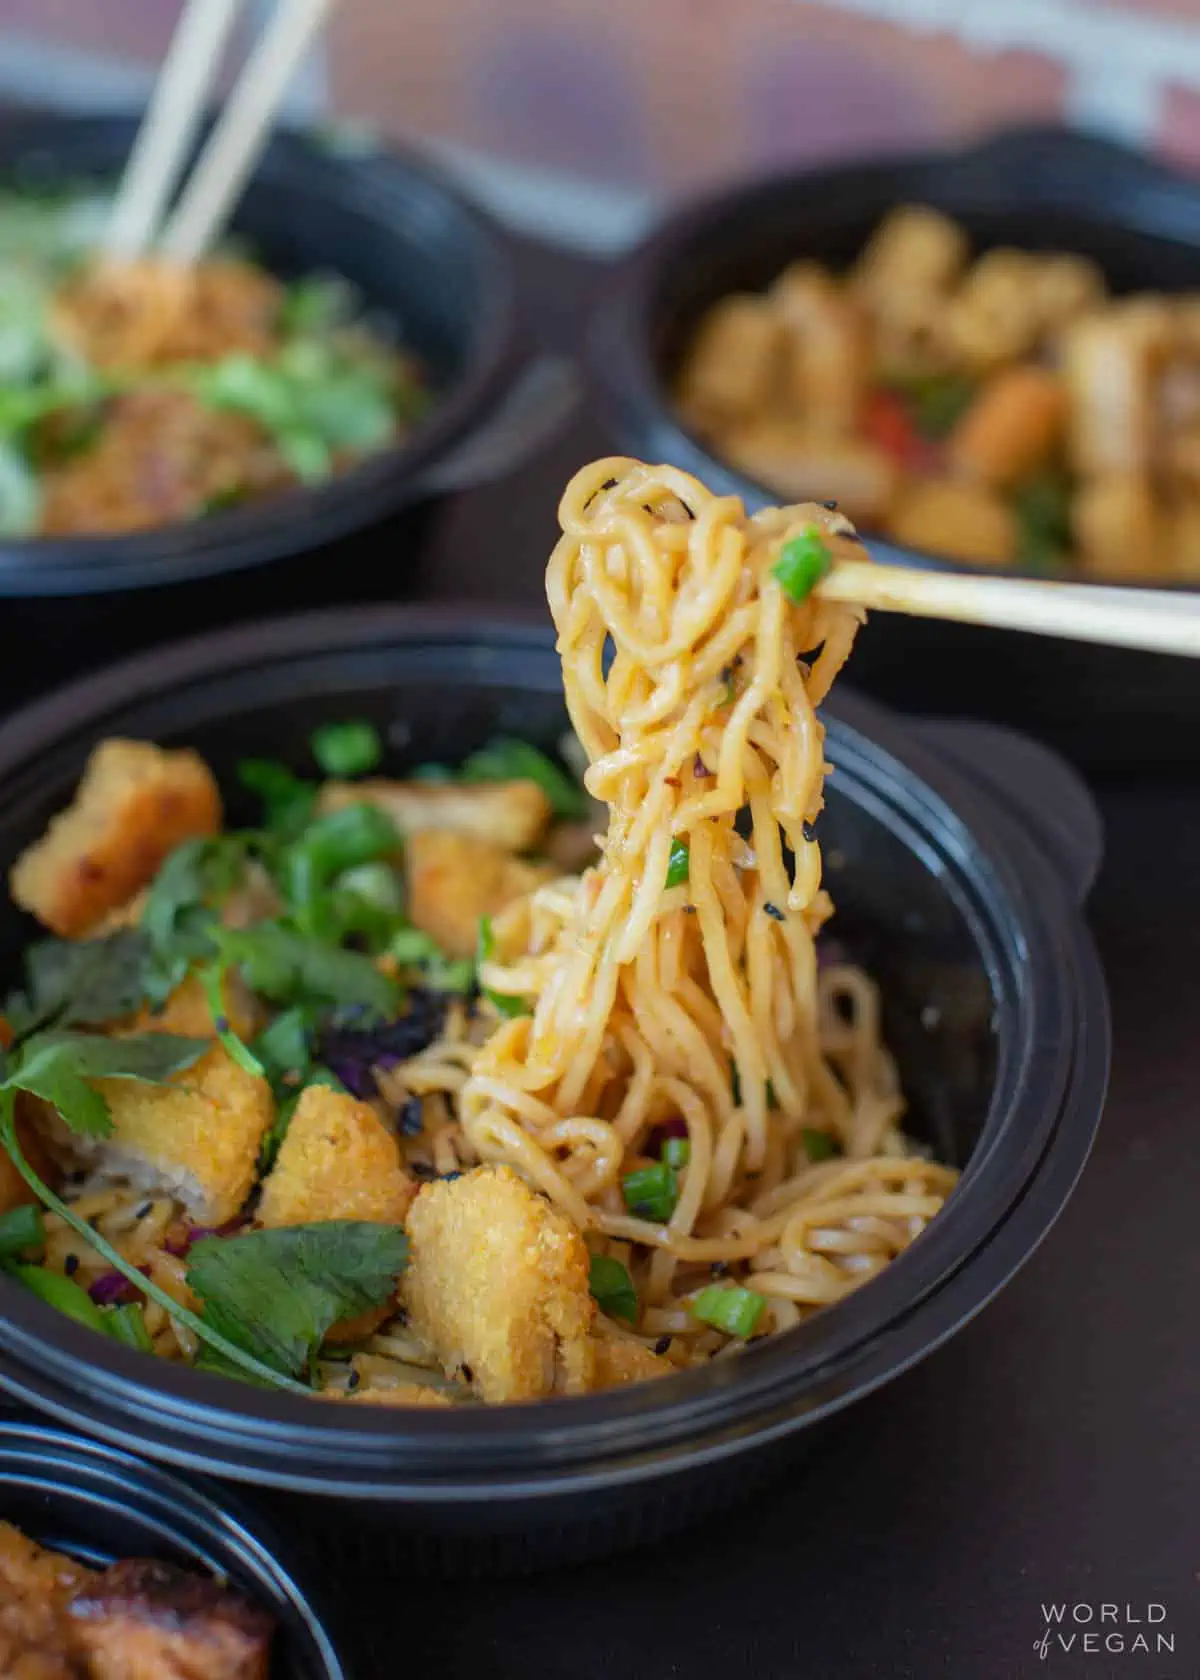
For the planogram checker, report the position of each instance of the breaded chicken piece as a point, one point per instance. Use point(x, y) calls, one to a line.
point(617, 1363)
point(134, 805)
point(405, 1394)
point(454, 879)
point(497, 1284)
point(513, 815)
point(142, 1620)
point(36, 1587)
point(196, 1137)
point(337, 1161)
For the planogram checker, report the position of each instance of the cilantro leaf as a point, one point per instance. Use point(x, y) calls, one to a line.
point(57, 1066)
point(80, 982)
point(21, 1228)
point(288, 967)
point(276, 1293)
point(197, 874)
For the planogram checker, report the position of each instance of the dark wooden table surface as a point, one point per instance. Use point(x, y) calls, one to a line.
point(1046, 1455)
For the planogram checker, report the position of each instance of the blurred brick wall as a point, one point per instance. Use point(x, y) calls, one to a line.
point(672, 94)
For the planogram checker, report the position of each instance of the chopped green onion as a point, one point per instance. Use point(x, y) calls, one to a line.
point(612, 1288)
point(456, 974)
point(212, 978)
point(347, 749)
point(376, 884)
point(819, 1146)
point(127, 1324)
point(680, 862)
point(343, 839)
point(802, 563)
point(677, 1151)
point(510, 1007)
point(283, 1047)
point(734, 1310)
point(651, 1192)
point(409, 945)
point(21, 1229)
point(62, 1294)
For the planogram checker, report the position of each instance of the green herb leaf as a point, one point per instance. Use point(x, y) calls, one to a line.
point(818, 1146)
point(286, 1045)
point(289, 968)
point(733, 1310)
point(509, 1007)
point(802, 563)
point(57, 1066)
point(21, 1229)
point(508, 760)
point(936, 401)
point(651, 1192)
point(679, 864)
point(347, 749)
point(212, 978)
point(80, 982)
point(287, 800)
point(1043, 508)
point(276, 1293)
point(612, 1288)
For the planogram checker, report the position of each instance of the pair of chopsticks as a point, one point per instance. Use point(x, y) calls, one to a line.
point(1157, 620)
point(235, 145)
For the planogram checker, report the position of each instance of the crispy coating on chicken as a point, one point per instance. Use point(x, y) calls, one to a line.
point(135, 803)
point(497, 1284)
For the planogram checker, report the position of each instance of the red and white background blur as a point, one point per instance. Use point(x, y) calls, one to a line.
point(598, 110)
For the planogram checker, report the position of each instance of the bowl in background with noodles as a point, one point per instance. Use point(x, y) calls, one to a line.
point(958, 860)
point(1133, 222)
point(100, 1506)
point(381, 234)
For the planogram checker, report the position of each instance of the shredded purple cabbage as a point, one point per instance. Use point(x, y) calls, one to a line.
point(112, 1288)
point(353, 1052)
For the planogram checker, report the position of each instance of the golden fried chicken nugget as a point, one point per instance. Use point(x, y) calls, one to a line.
point(513, 815)
point(455, 878)
point(497, 1284)
point(337, 1161)
point(135, 803)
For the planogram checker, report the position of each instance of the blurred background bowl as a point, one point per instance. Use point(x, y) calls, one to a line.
point(101, 1505)
point(423, 257)
point(1037, 189)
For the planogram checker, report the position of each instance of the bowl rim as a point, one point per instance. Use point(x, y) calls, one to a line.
point(301, 517)
point(69, 1470)
point(625, 375)
point(195, 1420)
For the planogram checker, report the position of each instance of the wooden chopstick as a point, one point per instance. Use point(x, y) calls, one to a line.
point(169, 125)
point(238, 140)
point(1156, 620)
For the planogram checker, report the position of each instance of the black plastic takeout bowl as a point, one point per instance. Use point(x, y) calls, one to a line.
point(1039, 189)
point(100, 1505)
point(959, 859)
point(392, 225)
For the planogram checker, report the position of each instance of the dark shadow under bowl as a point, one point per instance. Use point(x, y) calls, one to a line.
point(958, 859)
point(101, 1505)
point(1038, 189)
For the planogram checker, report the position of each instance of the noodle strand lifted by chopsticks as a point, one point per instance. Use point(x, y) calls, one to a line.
point(675, 988)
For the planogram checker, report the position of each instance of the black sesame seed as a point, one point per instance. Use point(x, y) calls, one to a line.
point(662, 1344)
point(775, 913)
point(719, 1268)
point(222, 1023)
point(809, 832)
point(71, 1264)
point(699, 768)
point(355, 1379)
point(143, 1210)
point(831, 504)
point(468, 1374)
point(689, 909)
point(412, 1117)
point(422, 1171)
